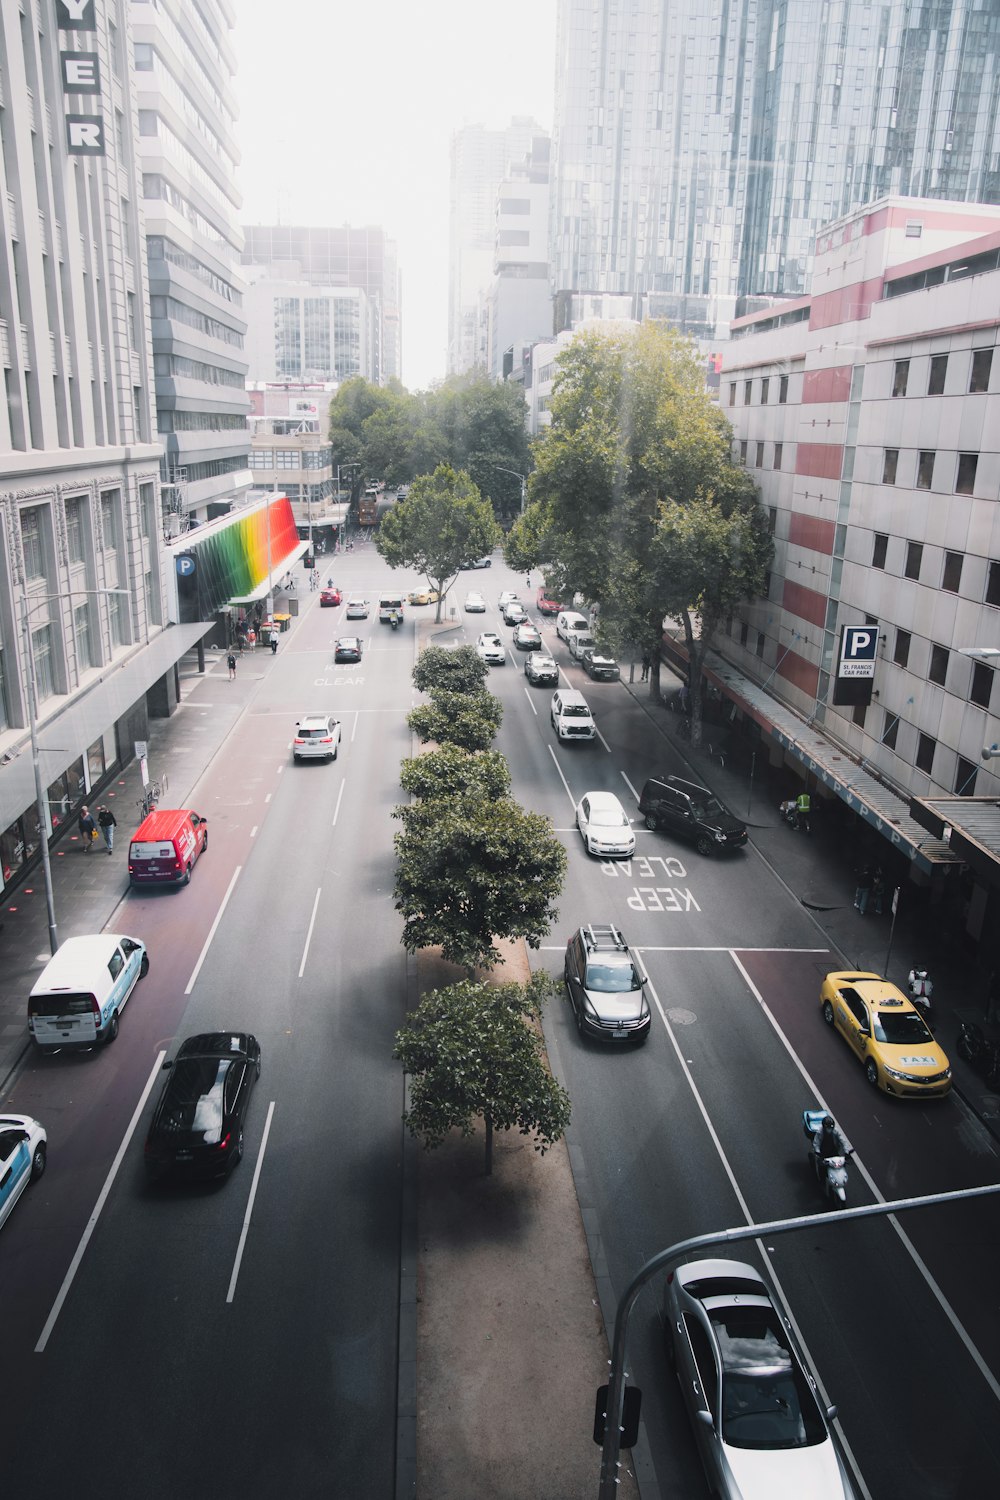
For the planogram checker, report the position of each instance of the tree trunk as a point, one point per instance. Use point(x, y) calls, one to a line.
point(489, 1146)
point(696, 654)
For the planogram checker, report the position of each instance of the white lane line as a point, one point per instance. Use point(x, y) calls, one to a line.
point(527, 694)
point(212, 930)
point(631, 788)
point(907, 1243)
point(91, 1224)
point(354, 728)
point(555, 762)
point(253, 1194)
point(312, 924)
point(602, 739)
point(268, 798)
point(336, 810)
point(745, 1209)
point(253, 831)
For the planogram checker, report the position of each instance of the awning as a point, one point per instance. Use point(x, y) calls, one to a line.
point(969, 825)
point(278, 571)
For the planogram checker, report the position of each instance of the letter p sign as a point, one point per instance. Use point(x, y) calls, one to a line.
point(858, 649)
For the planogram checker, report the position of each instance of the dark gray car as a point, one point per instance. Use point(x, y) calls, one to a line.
point(606, 987)
point(691, 812)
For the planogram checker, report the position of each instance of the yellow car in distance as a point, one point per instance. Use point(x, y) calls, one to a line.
point(887, 1033)
point(422, 596)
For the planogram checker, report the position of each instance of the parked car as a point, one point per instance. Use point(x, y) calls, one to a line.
point(491, 648)
point(329, 597)
point(475, 604)
point(317, 737)
point(165, 846)
point(527, 636)
point(478, 562)
point(545, 604)
point(752, 1400)
point(77, 1000)
point(423, 596)
point(348, 648)
point(197, 1126)
point(605, 826)
point(606, 986)
point(571, 716)
point(599, 666)
point(357, 609)
point(578, 642)
point(887, 1034)
point(692, 812)
point(540, 668)
point(23, 1144)
point(568, 620)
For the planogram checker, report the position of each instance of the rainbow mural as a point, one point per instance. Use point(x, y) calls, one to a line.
point(232, 562)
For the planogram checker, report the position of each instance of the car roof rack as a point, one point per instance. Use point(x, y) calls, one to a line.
point(603, 935)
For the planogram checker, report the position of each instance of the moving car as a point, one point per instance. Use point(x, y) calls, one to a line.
point(79, 996)
point(604, 825)
point(692, 812)
point(329, 597)
point(423, 596)
point(491, 648)
point(602, 668)
point(23, 1145)
point(197, 1126)
point(357, 609)
point(568, 620)
point(571, 716)
point(540, 667)
point(527, 637)
point(479, 562)
point(317, 737)
point(475, 604)
point(347, 648)
point(605, 985)
point(888, 1035)
point(545, 604)
point(166, 846)
point(513, 612)
point(507, 597)
point(578, 642)
point(389, 606)
point(753, 1404)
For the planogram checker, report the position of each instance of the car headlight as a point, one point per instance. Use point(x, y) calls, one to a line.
point(719, 836)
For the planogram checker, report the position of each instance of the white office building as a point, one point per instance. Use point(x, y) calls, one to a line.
point(300, 331)
point(520, 300)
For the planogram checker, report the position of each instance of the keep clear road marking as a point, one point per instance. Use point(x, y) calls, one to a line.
point(312, 924)
point(253, 1194)
point(907, 1243)
point(91, 1224)
point(745, 1207)
point(336, 810)
point(212, 931)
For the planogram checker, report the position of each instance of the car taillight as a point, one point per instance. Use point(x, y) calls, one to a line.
point(96, 1009)
point(299, 740)
point(224, 1143)
point(327, 739)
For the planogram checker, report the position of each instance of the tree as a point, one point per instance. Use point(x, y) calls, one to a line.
point(461, 670)
point(482, 424)
point(472, 870)
point(471, 1054)
point(469, 720)
point(442, 523)
point(453, 773)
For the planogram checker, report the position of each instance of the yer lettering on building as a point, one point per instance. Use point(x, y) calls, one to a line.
point(81, 74)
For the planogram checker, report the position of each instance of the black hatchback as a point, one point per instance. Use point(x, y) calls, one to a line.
point(197, 1126)
point(692, 812)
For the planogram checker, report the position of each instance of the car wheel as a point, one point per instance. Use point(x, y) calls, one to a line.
point(112, 1030)
point(578, 1017)
point(38, 1161)
point(204, 843)
point(187, 876)
point(144, 966)
point(871, 1072)
point(238, 1153)
point(828, 1012)
point(651, 822)
point(334, 755)
point(704, 844)
point(257, 1069)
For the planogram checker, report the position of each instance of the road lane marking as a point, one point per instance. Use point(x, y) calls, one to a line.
point(907, 1243)
point(250, 1202)
point(268, 798)
point(312, 924)
point(253, 831)
point(555, 762)
point(354, 730)
point(631, 788)
point(745, 1209)
point(336, 810)
point(527, 694)
point(602, 739)
point(212, 931)
point(91, 1224)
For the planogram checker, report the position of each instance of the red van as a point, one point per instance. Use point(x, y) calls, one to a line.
point(545, 605)
point(165, 846)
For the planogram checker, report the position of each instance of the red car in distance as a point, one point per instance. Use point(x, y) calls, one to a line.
point(328, 597)
point(545, 605)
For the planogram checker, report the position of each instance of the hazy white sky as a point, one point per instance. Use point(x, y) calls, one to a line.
point(346, 113)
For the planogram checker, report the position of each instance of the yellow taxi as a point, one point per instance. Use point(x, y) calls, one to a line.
point(887, 1033)
point(423, 596)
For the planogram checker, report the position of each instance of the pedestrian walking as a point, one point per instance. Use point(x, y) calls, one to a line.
point(274, 643)
point(646, 663)
point(231, 664)
point(87, 827)
point(251, 639)
point(864, 888)
point(878, 890)
point(107, 822)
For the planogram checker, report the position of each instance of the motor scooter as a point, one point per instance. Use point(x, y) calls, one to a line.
point(394, 620)
point(831, 1171)
point(920, 988)
point(984, 1055)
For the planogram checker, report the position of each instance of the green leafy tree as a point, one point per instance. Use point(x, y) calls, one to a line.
point(468, 720)
point(473, 1054)
point(442, 523)
point(472, 870)
point(453, 773)
point(461, 670)
point(482, 425)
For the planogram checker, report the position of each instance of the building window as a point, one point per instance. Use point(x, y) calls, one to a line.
point(900, 375)
point(744, 632)
point(993, 585)
point(891, 730)
point(952, 571)
point(925, 470)
point(109, 520)
point(772, 518)
point(760, 643)
point(81, 630)
point(982, 360)
point(45, 676)
point(732, 393)
point(901, 652)
point(779, 449)
point(914, 557)
point(982, 684)
point(764, 387)
point(890, 459)
point(925, 753)
point(782, 390)
point(4, 707)
point(117, 618)
point(747, 391)
point(76, 530)
point(939, 369)
point(743, 451)
point(860, 709)
point(965, 778)
point(759, 457)
point(31, 542)
point(965, 484)
point(939, 664)
point(879, 550)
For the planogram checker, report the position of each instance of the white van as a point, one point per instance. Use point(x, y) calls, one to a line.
point(568, 620)
point(83, 990)
point(389, 605)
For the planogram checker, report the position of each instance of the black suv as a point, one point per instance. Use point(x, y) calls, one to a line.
point(606, 986)
point(692, 812)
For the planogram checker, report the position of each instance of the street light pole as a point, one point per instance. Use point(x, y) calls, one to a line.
point(523, 482)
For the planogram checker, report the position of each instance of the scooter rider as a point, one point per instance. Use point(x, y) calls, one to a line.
point(828, 1141)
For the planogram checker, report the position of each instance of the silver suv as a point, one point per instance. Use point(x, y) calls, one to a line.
point(606, 987)
point(571, 716)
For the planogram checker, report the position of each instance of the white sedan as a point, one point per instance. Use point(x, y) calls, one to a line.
point(475, 604)
point(604, 826)
point(22, 1157)
point(491, 648)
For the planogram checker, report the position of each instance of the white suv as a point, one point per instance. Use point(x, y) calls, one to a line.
point(571, 716)
point(317, 737)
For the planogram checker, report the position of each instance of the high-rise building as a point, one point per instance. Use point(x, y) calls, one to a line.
point(698, 149)
point(480, 160)
point(184, 68)
point(520, 300)
point(301, 331)
point(364, 258)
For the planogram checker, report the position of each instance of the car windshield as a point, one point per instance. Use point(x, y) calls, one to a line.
point(767, 1401)
point(709, 806)
point(608, 817)
point(900, 1027)
point(606, 977)
point(193, 1105)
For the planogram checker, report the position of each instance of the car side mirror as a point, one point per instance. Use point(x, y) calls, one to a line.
point(705, 1417)
point(831, 1412)
point(167, 1066)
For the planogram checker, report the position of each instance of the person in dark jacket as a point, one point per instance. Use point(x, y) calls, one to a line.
point(87, 827)
point(107, 822)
